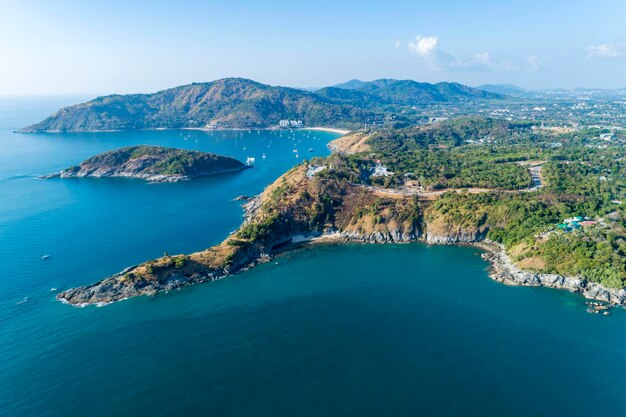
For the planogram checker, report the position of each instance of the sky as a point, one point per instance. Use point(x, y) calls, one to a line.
point(115, 46)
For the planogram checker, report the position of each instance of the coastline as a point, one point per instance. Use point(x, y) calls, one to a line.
point(504, 271)
point(315, 128)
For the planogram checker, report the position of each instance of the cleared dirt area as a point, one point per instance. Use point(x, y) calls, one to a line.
point(352, 143)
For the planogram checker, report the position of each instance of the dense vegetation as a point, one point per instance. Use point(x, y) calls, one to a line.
point(389, 92)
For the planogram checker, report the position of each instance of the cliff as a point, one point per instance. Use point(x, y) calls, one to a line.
point(152, 163)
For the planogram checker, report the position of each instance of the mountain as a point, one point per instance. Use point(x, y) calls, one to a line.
point(350, 97)
point(152, 163)
point(227, 103)
point(507, 89)
point(386, 92)
point(241, 103)
point(351, 85)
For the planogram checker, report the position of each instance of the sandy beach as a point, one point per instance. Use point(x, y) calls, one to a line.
point(329, 129)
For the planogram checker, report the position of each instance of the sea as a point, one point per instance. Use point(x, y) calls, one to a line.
point(332, 330)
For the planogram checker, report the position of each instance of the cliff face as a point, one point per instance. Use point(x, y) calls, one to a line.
point(153, 163)
point(440, 230)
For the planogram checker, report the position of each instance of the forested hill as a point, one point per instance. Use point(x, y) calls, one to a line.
point(242, 103)
point(152, 163)
point(386, 92)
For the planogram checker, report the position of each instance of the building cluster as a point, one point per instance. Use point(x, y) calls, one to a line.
point(564, 109)
point(575, 223)
point(380, 170)
point(290, 124)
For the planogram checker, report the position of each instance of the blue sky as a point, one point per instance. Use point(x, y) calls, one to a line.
point(71, 47)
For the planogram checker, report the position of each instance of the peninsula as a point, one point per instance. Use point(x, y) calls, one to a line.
point(152, 163)
point(547, 206)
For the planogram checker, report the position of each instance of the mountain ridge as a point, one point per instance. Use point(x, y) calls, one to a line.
point(242, 103)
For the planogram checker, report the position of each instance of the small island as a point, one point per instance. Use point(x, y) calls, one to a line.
point(152, 163)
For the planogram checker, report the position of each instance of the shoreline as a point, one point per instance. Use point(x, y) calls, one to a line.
point(204, 129)
point(504, 271)
point(501, 269)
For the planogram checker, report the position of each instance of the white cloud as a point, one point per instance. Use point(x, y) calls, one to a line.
point(483, 58)
point(424, 46)
point(534, 62)
point(427, 48)
point(607, 50)
point(397, 44)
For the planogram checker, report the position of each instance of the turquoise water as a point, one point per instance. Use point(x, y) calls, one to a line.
point(363, 330)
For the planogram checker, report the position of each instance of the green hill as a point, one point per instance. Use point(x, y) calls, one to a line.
point(389, 92)
point(228, 103)
point(240, 103)
point(152, 163)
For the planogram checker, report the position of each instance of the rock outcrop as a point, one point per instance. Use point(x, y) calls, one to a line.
point(506, 272)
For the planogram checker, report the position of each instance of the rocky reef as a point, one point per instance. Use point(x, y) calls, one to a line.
point(152, 163)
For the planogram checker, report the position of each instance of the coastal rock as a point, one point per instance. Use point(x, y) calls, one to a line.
point(389, 236)
point(506, 272)
point(454, 238)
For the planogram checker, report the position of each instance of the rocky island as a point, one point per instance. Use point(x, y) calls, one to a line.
point(498, 184)
point(152, 163)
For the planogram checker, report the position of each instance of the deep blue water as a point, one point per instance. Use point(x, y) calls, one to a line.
point(363, 330)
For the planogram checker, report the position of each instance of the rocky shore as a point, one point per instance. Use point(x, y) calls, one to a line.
point(502, 269)
point(505, 271)
point(113, 289)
